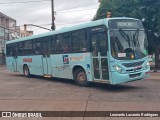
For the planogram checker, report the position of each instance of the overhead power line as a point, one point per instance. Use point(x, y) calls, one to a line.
point(77, 10)
point(47, 24)
point(58, 11)
point(26, 2)
point(65, 23)
point(75, 7)
point(5, 3)
point(72, 22)
point(37, 26)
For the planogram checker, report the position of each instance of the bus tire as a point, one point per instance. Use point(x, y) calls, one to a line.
point(80, 77)
point(26, 71)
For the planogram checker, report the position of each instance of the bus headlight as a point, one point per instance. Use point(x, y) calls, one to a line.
point(118, 69)
point(147, 65)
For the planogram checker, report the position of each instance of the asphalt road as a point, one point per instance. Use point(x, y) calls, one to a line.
point(18, 93)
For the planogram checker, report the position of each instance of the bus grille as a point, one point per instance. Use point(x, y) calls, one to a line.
point(133, 64)
point(134, 75)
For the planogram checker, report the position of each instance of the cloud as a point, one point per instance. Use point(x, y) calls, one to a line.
point(68, 12)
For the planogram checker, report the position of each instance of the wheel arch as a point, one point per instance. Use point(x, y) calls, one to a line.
point(76, 67)
point(74, 72)
point(25, 65)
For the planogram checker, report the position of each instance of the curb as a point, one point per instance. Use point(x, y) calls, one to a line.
point(152, 71)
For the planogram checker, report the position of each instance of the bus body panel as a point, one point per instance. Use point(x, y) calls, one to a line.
point(89, 66)
point(122, 78)
point(35, 65)
point(46, 63)
point(21, 63)
point(15, 64)
point(61, 65)
point(58, 68)
point(10, 63)
point(131, 73)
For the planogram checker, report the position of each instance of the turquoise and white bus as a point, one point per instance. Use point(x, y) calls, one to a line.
point(111, 50)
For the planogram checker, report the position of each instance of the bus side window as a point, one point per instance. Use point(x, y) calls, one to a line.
point(28, 47)
point(57, 47)
point(79, 41)
point(67, 43)
point(59, 40)
point(15, 50)
point(53, 45)
point(37, 47)
point(9, 50)
point(21, 48)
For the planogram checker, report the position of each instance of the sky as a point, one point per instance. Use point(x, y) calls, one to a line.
point(38, 12)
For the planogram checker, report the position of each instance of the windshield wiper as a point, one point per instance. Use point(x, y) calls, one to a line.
point(135, 38)
point(125, 36)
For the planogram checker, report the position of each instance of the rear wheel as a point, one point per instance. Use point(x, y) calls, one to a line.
point(80, 77)
point(26, 71)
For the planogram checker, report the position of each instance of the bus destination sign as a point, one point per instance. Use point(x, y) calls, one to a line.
point(125, 24)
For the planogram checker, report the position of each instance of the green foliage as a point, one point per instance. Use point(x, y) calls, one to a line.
point(119, 8)
point(146, 10)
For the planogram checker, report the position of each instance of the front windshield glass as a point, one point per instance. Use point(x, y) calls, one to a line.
point(128, 44)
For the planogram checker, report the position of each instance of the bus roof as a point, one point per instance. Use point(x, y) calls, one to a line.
point(68, 29)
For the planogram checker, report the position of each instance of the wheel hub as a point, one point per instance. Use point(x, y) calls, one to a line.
point(81, 77)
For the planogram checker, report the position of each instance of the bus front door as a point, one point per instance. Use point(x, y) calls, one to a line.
point(100, 59)
point(46, 61)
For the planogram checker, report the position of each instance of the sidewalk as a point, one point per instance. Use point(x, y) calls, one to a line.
point(154, 76)
point(152, 66)
point(152, 71)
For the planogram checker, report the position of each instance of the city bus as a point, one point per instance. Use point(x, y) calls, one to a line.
point(111, 50)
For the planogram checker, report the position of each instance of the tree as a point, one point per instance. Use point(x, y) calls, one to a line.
point(146, 10)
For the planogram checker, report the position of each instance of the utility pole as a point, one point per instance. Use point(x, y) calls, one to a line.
point(53, 27)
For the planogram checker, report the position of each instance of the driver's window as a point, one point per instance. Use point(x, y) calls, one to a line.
point(103, 44)
point(114, 48)
point(94, 45)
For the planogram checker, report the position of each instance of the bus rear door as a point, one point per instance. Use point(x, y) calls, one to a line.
point(100, 59)
point(46, 61)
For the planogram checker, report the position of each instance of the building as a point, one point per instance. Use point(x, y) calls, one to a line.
point(25, 32)
point(8, 31)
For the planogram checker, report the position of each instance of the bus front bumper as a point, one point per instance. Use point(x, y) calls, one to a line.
point(118, 78)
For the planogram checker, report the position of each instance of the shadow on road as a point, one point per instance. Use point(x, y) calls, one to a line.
point(99, 86)
point(60, 80)
point(114, 88)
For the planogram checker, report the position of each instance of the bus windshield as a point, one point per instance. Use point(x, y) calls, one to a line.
point(128, 44)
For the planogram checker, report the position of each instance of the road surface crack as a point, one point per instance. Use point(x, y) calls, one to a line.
point(89, 99)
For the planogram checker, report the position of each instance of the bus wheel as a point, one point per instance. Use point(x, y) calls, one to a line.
point(26, 71)
point(80, 77)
